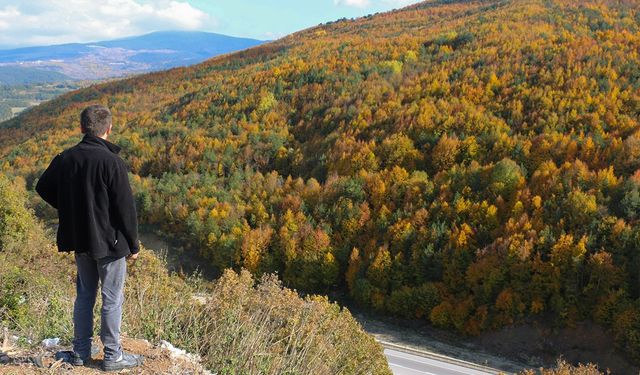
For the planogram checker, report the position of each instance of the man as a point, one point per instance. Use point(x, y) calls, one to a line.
point(89, 186)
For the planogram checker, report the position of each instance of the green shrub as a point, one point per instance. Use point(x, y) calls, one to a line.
point(413, 302)
point(15, 219)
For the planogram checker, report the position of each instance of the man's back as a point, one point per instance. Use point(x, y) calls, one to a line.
point(88, 185)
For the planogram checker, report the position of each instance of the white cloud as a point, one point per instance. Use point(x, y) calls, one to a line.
point(6, 14)
point(63, 21)
point(9, 11)
point(183, 14)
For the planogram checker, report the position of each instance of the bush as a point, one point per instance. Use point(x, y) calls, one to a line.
point(292, 335)
point(563, 368)
point(506, 176)
point(15, 219)
point(413, 302)
point(626, 329)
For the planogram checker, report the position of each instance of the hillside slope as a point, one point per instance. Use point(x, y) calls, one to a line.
point(472, 163)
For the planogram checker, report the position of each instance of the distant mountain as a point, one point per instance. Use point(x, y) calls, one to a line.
point(18, 75)
point(106, 59)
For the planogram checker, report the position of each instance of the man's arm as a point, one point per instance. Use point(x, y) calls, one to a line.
point(123, 206)
point(47, 186)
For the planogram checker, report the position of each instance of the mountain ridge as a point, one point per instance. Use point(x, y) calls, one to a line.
point(153, 51)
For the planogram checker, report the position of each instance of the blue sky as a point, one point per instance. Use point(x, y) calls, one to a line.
point(45, 22)
point(269, 19)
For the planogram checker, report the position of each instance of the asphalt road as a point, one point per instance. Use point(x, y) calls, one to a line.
point(402, 363)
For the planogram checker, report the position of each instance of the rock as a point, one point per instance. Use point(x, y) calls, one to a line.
point(179, 353)
point(37, 361)
point(48, 343)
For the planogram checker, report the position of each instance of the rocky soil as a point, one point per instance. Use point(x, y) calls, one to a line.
point(158, 360)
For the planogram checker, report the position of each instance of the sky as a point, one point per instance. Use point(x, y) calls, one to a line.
point(45, 22)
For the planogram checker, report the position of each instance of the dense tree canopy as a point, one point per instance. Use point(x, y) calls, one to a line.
point(472, 163)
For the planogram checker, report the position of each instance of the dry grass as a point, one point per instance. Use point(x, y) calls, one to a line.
point(269, 329)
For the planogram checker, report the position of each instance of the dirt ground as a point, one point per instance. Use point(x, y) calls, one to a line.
point(156, 361)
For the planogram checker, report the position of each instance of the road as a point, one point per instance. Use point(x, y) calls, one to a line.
point(403, 363)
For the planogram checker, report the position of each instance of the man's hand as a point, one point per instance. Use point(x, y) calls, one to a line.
point(133, 257)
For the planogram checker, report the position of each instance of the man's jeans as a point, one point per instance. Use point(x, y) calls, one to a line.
point(110, 272)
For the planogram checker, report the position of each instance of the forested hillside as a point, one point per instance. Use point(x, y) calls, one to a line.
point(471, 163)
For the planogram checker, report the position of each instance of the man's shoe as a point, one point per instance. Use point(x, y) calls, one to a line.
point(74, 358)
point(125, 361)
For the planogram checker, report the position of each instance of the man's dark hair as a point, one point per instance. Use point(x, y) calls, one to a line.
point(95, 120)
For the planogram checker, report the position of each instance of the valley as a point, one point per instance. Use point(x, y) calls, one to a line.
point(16, 98)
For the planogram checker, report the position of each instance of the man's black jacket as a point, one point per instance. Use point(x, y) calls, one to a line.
point(89, 186)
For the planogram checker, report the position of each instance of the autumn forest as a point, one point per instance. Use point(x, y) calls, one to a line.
point(470, 163)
